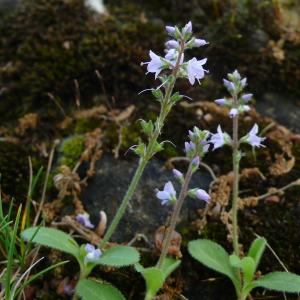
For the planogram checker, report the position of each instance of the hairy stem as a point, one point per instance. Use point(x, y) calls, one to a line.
point(150, 151)
point(175, 215)
point(235, 193)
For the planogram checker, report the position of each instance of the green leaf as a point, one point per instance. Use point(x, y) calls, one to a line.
point(176, 97)
point(52, 238)
point(248, 267)
point(154, 278)
point(280, 281)
point(119, 256)
point(147, 127)
point(257, 249)
point(92, 290)
point(213, 256)
point(169, 265)
point(157, 93)
point(235, 261)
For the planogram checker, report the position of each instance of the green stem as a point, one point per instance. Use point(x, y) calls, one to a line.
point(148, 296)
point(175, 215)
point(150, 151)
point(235, 193)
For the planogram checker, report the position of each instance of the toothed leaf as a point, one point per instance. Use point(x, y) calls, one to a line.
point(52, 238)
point(280, 281)
point(119, 256)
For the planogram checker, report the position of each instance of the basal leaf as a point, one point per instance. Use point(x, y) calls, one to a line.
point(248, 267)
point(52, 238)
point(257, 249)
point(213, 256)
point(280, 281)
point(119, 256)
point(92, 290)
point(154, 278)
point(169, 265)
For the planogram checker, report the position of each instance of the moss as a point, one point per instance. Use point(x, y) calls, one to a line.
point(84, 125)
point(71, 150)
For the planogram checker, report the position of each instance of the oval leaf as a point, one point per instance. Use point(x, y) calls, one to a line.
point(154, 278)
point(213, 256)
point(92, 290)
point(52, 238)
point(119, 256)
point(257, 249)
point(280, 281)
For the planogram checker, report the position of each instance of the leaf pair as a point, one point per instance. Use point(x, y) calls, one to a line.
point(215, 257)
point(117, 256)
point(155, 277)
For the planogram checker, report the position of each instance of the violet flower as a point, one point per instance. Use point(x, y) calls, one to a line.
point(92, 254)
point(172, 44)
point(195, 69)
point(200, 42)
point(221, 102)
point(178, 175)
point(202, 195)
point(218, 138)
point(253, 139)
point(84, 219)
point(170, 30)
point(247, 97)
point(233, 112)
point(168, 194)
point(189, 146)
point(155, 65)
point(188, 28)
point(229, 85)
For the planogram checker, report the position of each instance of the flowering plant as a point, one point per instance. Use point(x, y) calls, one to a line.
point(241, 270)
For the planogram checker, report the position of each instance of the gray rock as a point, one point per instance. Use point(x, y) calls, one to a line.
point(145, 213)
point(282, 108)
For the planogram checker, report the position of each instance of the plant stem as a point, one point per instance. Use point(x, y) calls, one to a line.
point(150, 150)
point(148, 296)
point(175, 215)
point(235, 193)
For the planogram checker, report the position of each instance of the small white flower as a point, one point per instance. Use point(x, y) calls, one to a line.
point(218, 139)
point(155, 65)
point(195, 69)
point(168, 194)
point(253, 139)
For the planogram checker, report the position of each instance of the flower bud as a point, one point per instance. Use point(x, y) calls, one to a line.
point(195, 162)
point(178, 175)
point(221, 102)
point(200, 42)
point(229, 85)
point(170, 30)
point(171, 44)
point(233, 112)
point(188, 28)
point(247, 97)
point(202, 195)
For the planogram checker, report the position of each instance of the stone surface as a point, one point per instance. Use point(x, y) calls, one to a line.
point(145, 213)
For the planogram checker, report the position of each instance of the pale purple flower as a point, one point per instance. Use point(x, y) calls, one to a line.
point(233, 112)
point(84, 219)
point(253, 139)
point(189, 146)
point(244, 108)
point(177, 174)
point(206, 148)
point(247, 97)
point(221, 102)
point(171, 54)
point(202, 195)
point(228, 84)
point(168, 194)
point(218, 138)
point(243, 82)
point(170, 29)
point(172, 44)
point(195, 162)
point(92, 254)
point(200, 42)
point(188, 28)
point(195, 69)
point(155, 65)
